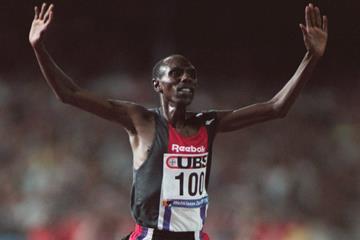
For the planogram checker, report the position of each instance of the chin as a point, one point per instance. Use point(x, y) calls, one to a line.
point(184, 102)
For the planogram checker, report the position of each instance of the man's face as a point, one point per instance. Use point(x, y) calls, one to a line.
point(178, 80)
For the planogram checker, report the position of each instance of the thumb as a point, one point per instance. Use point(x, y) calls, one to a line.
point(303, 29)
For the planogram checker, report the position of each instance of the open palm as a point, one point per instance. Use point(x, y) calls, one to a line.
point(315, 32)
point(40, 23)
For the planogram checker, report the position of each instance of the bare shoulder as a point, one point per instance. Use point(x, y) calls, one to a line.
point(130, 107)
point(140, 116)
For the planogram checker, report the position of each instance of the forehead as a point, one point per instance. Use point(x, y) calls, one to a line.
point(177, 62)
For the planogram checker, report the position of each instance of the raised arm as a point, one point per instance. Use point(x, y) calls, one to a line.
point(315, 39)
point(125, 113)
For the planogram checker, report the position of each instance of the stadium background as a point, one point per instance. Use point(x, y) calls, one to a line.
point(65, 174)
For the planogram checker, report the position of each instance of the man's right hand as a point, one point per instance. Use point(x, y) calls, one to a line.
point(40, 24)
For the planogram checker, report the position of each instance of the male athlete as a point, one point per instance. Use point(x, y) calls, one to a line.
point(172, 147)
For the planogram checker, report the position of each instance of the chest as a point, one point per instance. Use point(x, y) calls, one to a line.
point(162, 136)
point(186, 131)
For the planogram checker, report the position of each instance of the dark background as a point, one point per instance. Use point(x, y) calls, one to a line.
point(259, 39)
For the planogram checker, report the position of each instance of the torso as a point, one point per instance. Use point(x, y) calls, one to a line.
point(171, 170)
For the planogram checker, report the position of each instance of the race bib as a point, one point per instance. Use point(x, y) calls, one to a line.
point(184, 180)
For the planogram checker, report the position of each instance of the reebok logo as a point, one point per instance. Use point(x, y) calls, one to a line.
point(191, 149)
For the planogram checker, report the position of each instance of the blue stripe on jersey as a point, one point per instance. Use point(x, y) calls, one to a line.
point(143, 234)
point(167, 218)
point(203, 213)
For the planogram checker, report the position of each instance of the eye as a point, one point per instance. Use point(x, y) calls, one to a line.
point(176, 72)
point(192, 73)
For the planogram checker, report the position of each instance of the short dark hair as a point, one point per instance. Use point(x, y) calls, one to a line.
point(156, 73)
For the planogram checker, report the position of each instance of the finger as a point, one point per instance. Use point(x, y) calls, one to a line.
point(50, 18)
point(50, 9)
point(307, 17)
point(325, 24)
point(312, 15)
point(42, 12)
point(36, 10)
point(318, 17)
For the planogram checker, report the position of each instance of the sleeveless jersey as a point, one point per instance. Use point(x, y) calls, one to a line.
point(169, 190)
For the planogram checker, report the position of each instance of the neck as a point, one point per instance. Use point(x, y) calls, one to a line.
point(173, 113)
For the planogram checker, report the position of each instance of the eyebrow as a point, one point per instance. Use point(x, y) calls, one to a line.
point(182, 68)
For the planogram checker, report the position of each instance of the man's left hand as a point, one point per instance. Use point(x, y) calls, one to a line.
point(315, 32)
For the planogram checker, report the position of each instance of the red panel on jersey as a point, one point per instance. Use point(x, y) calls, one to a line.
point(197, 143)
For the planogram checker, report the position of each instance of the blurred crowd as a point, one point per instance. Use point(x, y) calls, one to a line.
point(66, 174)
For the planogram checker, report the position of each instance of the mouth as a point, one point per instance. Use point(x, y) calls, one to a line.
point(185, 90)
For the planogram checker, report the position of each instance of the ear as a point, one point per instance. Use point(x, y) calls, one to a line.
point(156, 85)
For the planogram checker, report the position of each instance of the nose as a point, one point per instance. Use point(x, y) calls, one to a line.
point(187, 77)
point(187, 80)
